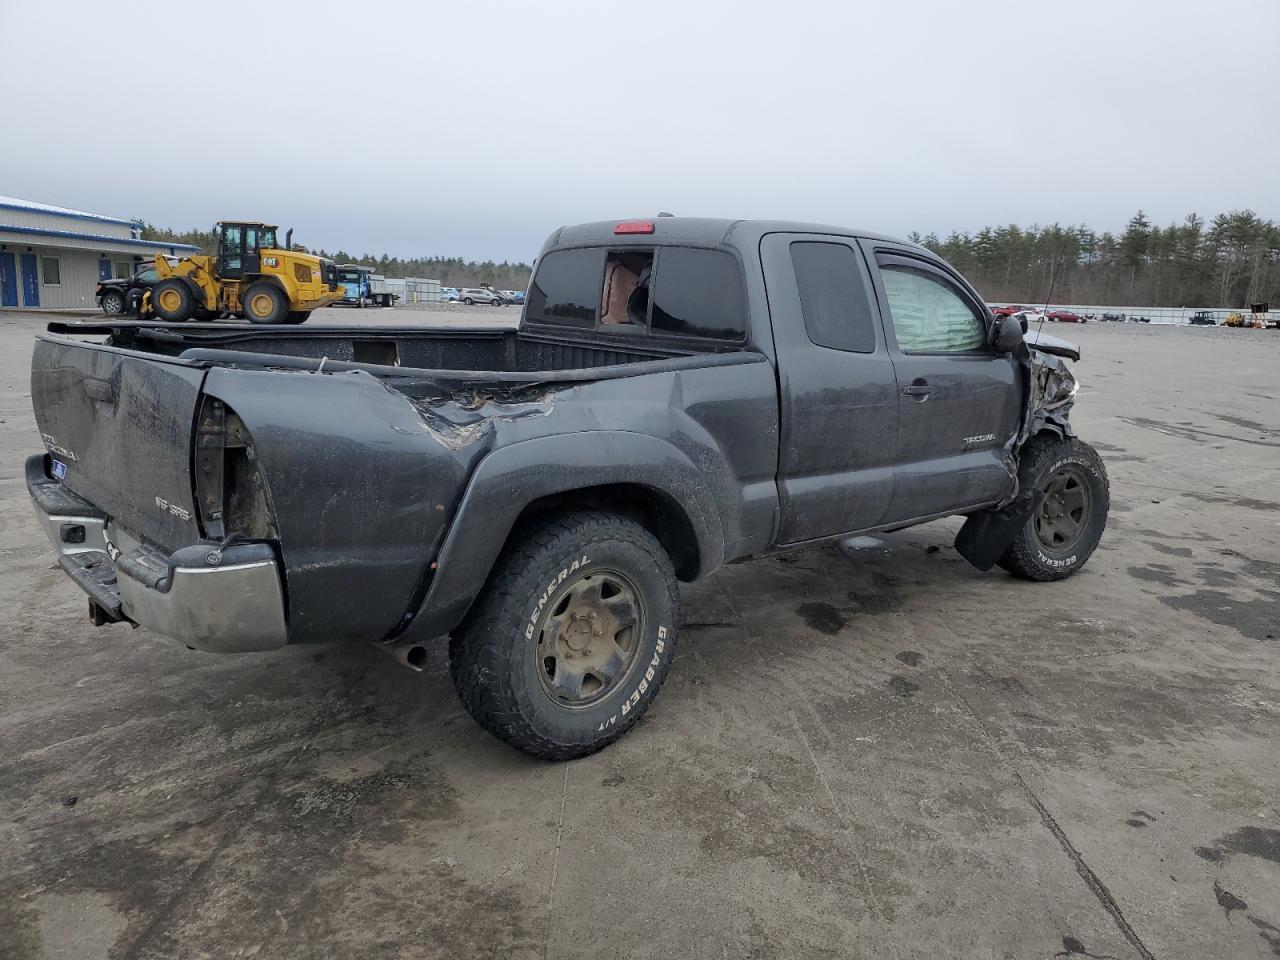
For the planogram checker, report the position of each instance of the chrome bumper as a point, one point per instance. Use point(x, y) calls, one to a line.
point(226, 600)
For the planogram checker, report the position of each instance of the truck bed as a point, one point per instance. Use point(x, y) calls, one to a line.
point(491, 354)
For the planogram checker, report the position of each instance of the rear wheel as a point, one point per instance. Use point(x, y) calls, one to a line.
point(297, 316)
point(112, 302)
point(171, 300)
point(469, 302)
point(265, 303)
point(1065, 529)
point(572, 638)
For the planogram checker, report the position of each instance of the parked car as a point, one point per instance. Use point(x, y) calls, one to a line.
point(123, 295)
point(1114, 317)
point(449, 294)
point(473, 295)
point(539, 494)
point(1203, 318)
point(1006, 311)
point(1065, 316)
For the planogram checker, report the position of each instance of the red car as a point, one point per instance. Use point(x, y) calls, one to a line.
point(1006, 311)
point(1064, 316)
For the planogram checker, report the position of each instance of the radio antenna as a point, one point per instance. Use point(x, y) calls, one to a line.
point(1053, 278)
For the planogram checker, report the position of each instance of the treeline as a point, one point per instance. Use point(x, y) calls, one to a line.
point(1231, 261)
point(450, 271)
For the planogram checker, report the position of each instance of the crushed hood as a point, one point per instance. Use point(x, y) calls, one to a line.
point(1047, 343)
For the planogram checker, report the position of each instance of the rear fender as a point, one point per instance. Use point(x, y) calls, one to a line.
point(513, 477)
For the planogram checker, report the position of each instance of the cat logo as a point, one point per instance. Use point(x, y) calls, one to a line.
point(271, 261)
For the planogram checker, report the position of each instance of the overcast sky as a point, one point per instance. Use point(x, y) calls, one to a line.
point(475, 128)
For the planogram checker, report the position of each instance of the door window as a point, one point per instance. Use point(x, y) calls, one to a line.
point(231, 249)
point(836, 310)
point(929, 315)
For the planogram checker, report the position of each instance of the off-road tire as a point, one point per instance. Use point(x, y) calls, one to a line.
point(113, 303)
point(184, 303)
point(279, 303)
point(1043, 457)
point(494, 656)
point(297, 316)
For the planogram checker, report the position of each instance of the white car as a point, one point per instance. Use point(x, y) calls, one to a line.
point(474, 295)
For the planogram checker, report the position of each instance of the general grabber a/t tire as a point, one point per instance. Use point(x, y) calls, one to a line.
point(1063, 531)
point(572, 638)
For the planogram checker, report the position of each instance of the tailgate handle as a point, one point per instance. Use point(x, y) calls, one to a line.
point(99, 389)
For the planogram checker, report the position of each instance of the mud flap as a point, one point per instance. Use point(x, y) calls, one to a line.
point(986, 535)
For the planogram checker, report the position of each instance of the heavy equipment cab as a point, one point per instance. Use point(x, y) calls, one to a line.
point(251, 277)
point(240, 247)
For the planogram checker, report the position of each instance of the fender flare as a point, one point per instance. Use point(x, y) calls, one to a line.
point(512, 477)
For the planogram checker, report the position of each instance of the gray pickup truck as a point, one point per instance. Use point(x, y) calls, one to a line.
point(680, 393)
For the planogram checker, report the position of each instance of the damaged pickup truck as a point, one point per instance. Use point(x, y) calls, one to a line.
point(680, 394)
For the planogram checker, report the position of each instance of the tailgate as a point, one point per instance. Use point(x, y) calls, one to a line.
point(122, 424)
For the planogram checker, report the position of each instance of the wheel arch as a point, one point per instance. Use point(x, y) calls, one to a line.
point(637, 475)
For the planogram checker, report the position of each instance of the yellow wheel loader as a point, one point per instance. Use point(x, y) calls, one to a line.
point(252, 277)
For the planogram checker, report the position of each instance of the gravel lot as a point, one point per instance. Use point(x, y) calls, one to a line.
point(870, 750)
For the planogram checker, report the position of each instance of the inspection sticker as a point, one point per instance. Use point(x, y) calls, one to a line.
point(59, 469)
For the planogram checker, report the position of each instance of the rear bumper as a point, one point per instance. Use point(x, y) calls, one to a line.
point(227, 600)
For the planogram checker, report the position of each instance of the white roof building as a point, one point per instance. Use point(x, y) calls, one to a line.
point(53, 257)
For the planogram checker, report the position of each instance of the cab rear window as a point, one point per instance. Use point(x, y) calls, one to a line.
point(566, 288)
point(667, 291)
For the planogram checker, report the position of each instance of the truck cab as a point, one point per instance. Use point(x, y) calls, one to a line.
point(354, 281)
point(680, 394)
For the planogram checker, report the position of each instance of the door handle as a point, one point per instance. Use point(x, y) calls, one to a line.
point(919, 390)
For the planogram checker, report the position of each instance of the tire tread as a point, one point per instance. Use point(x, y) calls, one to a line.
point(1021, 557)
point(478, 649)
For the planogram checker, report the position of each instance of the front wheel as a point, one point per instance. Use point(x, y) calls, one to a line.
point(171, 300)
point(113, 302)
point(1064, 530)
point(572, 638)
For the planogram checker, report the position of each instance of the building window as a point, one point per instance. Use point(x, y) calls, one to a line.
point(52, 270)
point(124, 269)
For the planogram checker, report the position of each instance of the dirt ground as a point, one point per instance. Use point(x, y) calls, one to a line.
point(869, 750)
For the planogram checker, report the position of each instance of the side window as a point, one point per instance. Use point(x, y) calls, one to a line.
point(566, 288)
point(833, 297)
point(148, 276)
point(929, 316)
point(698, 293)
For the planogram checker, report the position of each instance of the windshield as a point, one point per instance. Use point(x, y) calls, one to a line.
point(349, 276)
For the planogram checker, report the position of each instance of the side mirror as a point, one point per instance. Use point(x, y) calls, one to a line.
point(1009, 334)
